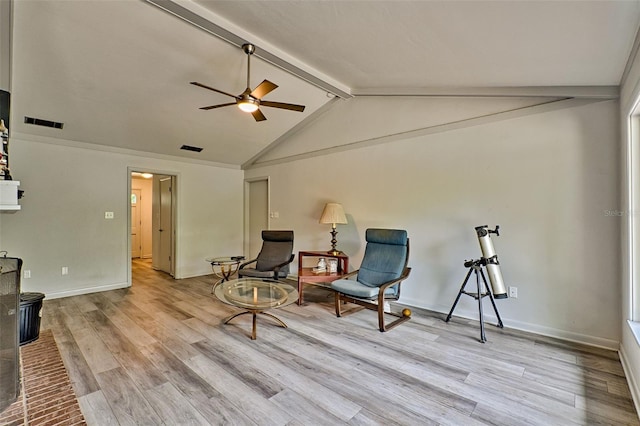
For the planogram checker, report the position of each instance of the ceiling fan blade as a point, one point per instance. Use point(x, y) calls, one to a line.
point(217, 106)
point(258, 115)
point(263, 88)
point(195, 83)
point(281, 105)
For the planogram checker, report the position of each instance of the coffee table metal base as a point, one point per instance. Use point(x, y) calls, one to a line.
point(255, 314)
point(254, 296)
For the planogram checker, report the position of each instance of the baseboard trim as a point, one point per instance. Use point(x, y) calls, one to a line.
point(634, 386)
point(523, 326)
point(85, 290)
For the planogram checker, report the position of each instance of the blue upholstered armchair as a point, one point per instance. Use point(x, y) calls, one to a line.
point(383, 268)
point(274, 257)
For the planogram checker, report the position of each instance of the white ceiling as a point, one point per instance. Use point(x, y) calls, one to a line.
point(397, 44)
point(117, 73)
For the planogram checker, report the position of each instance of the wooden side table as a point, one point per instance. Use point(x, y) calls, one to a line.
point(322, 279)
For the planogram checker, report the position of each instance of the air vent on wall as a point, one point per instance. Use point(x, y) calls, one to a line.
point(191, 148)
point(41, 122)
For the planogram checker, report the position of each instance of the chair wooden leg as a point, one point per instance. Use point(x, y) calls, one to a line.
point(381, 312)
point(338, 302)
point(339, 299)
point(381, 317)
point(401, 317)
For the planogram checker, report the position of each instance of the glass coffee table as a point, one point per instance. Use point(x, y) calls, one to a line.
point(256, 295)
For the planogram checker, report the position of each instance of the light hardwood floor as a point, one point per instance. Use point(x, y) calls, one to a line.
point(157, 353)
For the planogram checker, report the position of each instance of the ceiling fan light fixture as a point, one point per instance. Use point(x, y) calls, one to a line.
point(250, 100)
point(247, 105)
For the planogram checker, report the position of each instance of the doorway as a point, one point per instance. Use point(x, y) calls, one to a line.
point(152, 220)
point(256, 214)
point(633, 223)
point(138, 221)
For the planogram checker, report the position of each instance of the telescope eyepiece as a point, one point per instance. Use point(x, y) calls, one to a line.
point(482, 230)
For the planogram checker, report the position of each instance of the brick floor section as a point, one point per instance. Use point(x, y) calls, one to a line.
point(46, 390)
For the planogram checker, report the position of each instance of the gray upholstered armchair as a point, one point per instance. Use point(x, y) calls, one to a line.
point(383, 268)
point(274, 257)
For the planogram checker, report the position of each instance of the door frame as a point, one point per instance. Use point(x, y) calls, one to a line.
point(247, 207)
point(175, 207)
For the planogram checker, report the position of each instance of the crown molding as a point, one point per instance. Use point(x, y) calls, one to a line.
point(553, 105)
point(115, 150)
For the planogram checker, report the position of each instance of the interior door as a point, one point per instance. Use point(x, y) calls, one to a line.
point(257, 216)
point(166, 224)
point(163, 227)
point(135, 223)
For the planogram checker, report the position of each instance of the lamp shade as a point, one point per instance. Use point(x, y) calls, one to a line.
point(333, 213)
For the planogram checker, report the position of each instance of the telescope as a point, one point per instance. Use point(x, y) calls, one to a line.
point(490, 259)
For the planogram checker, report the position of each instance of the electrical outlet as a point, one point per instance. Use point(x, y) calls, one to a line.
point(65, 270)
point(513, 292)
point(108, 215)
point(27, 273)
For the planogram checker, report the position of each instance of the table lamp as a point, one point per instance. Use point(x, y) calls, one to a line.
point(333, 213)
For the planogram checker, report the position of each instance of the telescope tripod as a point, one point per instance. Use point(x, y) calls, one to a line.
point(476, 267)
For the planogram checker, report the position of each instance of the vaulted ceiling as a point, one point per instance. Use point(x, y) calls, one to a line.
point(117, 73)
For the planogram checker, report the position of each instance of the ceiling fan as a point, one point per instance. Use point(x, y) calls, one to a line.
point(251, 100)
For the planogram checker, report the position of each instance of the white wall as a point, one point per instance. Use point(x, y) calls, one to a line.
point(62, 223)
point(5, 44)
point(630, 344)
point(547, 179)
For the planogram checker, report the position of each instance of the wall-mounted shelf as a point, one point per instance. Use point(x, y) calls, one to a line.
point(9, 195)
